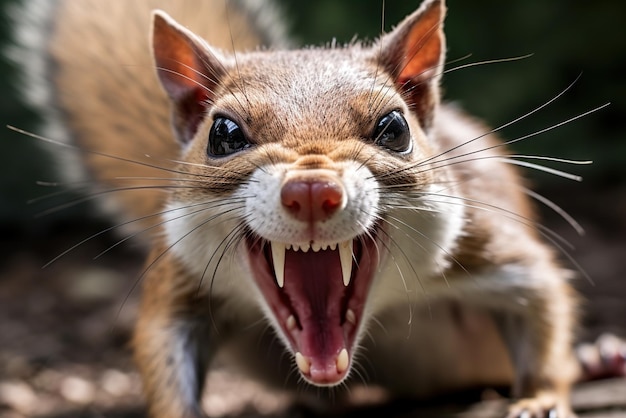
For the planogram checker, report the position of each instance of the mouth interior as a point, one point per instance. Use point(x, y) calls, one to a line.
point(319, 300)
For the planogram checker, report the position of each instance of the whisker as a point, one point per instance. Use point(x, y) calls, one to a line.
point(228, 239)
point(547, 129)
point(499, 145)
point(117, 226)
point(77, 186)
point(242, 84)
point(486, 62)
point(121, 241)
point(556, 208)
point(480, 205)
point(198, 165)
point(179, 74)
point(209, 67)
point(95, 195)
point(185, 180)
point(497, 129)
point(473, 64)
point(548, 158)
point(403, 279)
point(540, 167)
point(553, 237)
point(507, 160)
point(416, 48)
point(446, 252)
point(94, 152)
point(380, 52)
point(159, 257)
point(463, 58)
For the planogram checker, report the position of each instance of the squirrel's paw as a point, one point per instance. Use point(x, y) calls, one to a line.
point(604, 358)
point(545, 405)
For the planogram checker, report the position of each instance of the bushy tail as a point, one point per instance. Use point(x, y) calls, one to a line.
point(87, 67)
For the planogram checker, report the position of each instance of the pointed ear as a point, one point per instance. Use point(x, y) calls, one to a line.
point(189, 72)
point(414, 53)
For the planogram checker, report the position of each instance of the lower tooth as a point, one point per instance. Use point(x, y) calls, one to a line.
point(342, 361)
point(303, 363)
point(351, 317)
point(291, 323)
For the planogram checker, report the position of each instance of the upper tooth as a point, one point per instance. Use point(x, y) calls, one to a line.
point(278, 257)
point(345, 255)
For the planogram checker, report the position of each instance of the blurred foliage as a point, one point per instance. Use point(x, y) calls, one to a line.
point(566, 38)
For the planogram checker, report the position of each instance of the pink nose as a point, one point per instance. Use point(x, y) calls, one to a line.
point(311, 201)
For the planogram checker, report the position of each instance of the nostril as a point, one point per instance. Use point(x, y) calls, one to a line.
point(330, 206)
point(295, 197)
point(293, 206)
point(326, 197)
point(311, 201)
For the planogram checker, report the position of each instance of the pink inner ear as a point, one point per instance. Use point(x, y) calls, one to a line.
point(188, 72)
point(423, 46)
point(176, 57)
point(421, 58)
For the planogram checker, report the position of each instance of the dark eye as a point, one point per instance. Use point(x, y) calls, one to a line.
point(392, 132)
point(225, 138)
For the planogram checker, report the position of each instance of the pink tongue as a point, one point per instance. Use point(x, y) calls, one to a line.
point(313, 282)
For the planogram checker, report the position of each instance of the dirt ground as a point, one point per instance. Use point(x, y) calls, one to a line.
point(64, 329)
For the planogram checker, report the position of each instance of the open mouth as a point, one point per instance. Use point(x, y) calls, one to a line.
point(317, 293)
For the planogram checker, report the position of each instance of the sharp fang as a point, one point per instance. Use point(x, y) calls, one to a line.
point(278, 257)
point(304, 364)
point(351, 317)
point(345, 255)
point(342, 361)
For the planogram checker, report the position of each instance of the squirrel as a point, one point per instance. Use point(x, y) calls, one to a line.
point(325, 191)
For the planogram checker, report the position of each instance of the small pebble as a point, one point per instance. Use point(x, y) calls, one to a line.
point(77, 390)
point(18, 395)
point(116, 383)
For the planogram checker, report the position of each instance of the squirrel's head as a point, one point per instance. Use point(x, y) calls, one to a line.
point(306, 159)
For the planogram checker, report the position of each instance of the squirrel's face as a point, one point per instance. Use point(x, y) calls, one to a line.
point(312, 163)
point(311, 145)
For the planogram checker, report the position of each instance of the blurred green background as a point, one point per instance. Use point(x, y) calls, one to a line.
point(566, 38)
